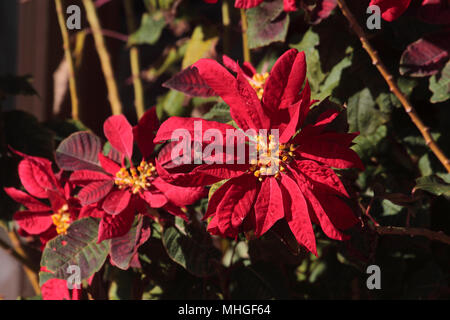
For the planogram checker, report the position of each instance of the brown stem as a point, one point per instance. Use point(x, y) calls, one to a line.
point(134, 61)
point(424, 130)
point(69, 58)
point(432, 235)
point(19, 253)
point(245, 47)
point(226, 22)
point(105, 60)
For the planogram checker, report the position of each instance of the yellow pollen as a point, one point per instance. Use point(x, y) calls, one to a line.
point(61, 219)
point(272, 158)
point(258, 81)
point(136, 179)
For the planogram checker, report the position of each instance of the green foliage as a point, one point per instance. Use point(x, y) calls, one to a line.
point(150, 30)
point(78, 247)
point(191, 247)
point(267, 23)
point(440, 85)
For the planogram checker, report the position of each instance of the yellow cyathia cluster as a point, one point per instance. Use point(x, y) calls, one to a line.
point(61, 219)
point(136, 179)
point(258, 81)
point(272, 158)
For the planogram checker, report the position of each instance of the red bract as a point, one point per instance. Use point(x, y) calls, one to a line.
point(42, 219)
point(289, 5)
point(431, 11)
point(304, 189)
point(119, 191)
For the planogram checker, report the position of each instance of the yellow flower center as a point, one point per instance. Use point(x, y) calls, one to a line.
point(271, 160)
point(61, 219)
point(136, 179)
point(258, 81)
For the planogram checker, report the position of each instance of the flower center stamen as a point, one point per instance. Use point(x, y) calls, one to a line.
point(271, 161)
point(61, 219)
point(136, 179)
point(257, 82)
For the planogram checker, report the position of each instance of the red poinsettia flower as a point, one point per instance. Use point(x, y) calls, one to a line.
point(57, 289)
point(289, 5)
point(303, 188)
point(117, 191)
point(45, 220)
point(391, 9)
point(432, 11)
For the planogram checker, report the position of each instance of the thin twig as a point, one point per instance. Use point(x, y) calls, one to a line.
point(245, 47)
point(226, 22)
point(134, 61)
point(424, 130)
point(19, 253)
point(69, 58)
point(432, 235)
point(113, 92)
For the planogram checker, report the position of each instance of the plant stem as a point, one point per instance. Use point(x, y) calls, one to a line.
point(19, 253)
point(226, 21)
point(69, 58)
point(134, 61)
point(432, 235)
point(245, 47)
point(105, 60)
point(424, 130)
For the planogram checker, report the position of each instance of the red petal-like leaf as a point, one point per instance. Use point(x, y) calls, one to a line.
point(296, 214)
point(108, 164)
point(33, 222)
point(191, 83)
point(116, 201)
point(426, 56)
point(226, 86)
point(37, 177)
point(114, 226)
point(154, 199)
point(55, 289)
point(323, 175)
point(179, 196)
point(119, 133)
point(236, 204)
point(144, 132)
point(391, 9)
point(247, 4)
point(268, 206)
point(79, 152)
point(168, 127)
point(28, 201)
point(285, 81)
point(95, 192)
point(123, 249)
point(84, 177)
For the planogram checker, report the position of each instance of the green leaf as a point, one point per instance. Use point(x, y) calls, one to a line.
point(366, 145)
point(150, 30)
point(434, 184)
point(78, 247)
point(199, 46)
point(215, 186)
point(191, 248)
point(440, 85)
point(362, 114)
point(219, 112)
point(267, 23)
point(172, 103)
